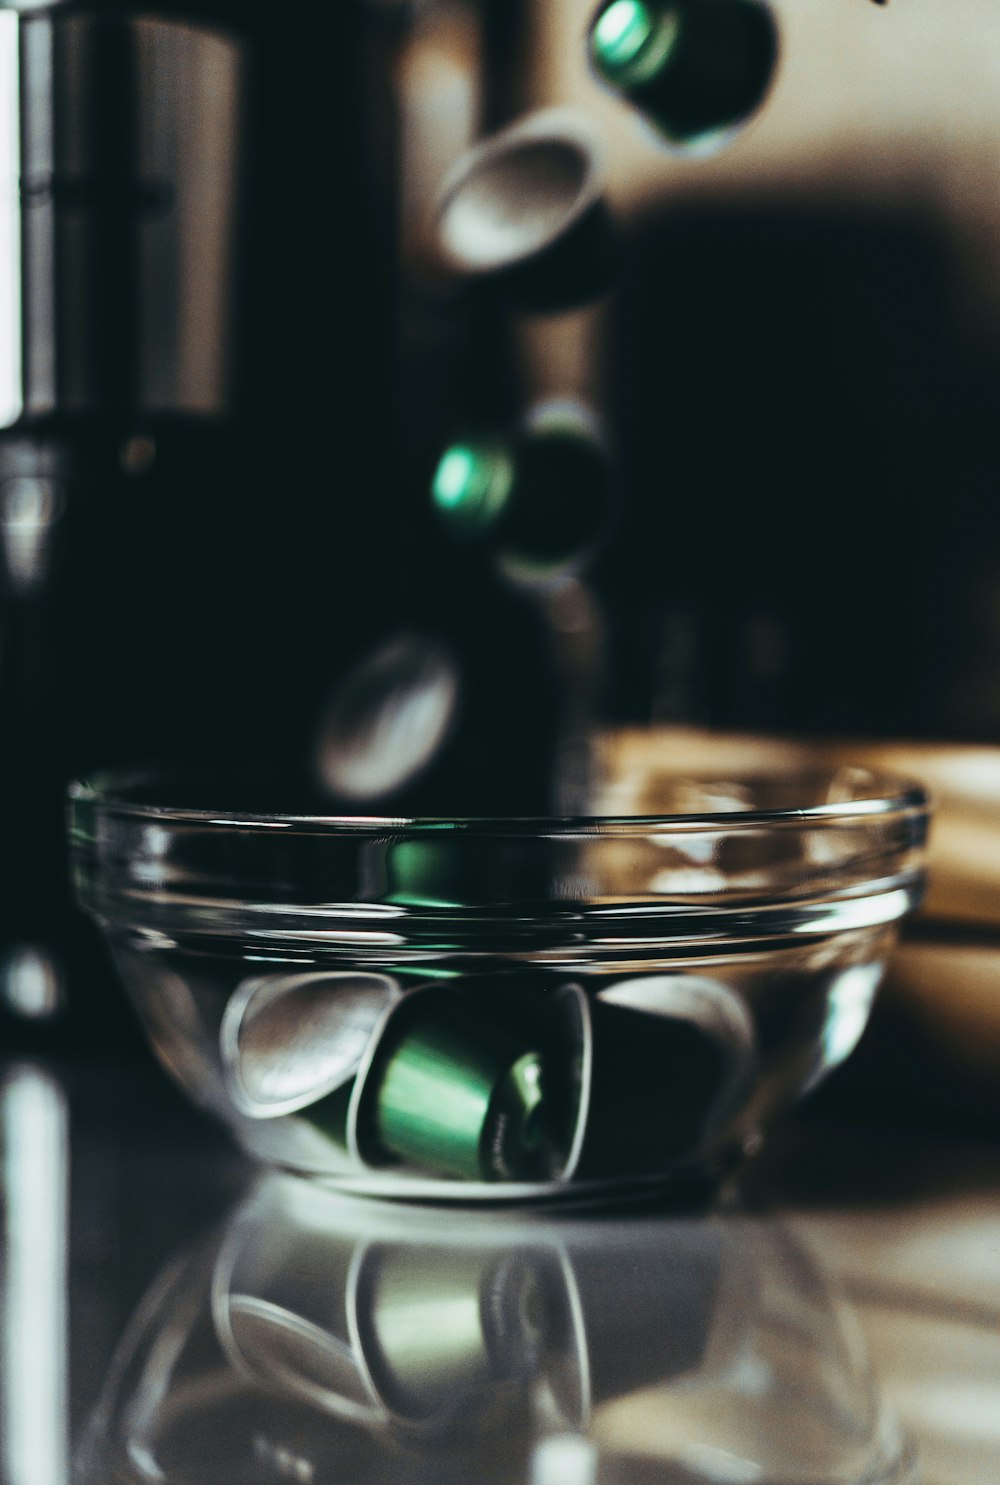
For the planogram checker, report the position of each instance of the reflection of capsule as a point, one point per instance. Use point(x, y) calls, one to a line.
point(446, 1332)
point(435, 1332)
point(280, 1311)
point(371, 1344)
point(541, 500)
point(643, 1304)
point(438, 867)
point(695, 68)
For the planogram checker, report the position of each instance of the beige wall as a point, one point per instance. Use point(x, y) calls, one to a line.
point(899, 104)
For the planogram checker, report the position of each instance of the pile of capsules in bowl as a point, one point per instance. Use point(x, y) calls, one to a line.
point(490, 1008)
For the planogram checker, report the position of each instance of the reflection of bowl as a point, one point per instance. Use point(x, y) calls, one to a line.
point(319, 1338)
point(561, 1003)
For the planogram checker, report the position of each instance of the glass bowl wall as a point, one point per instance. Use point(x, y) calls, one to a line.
point(494, 1008)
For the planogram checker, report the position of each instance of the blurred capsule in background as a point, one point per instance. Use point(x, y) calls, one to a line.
point(523, 214)
point(459, 718)
point(697, 69)
point(542, 500)
point(388, 719)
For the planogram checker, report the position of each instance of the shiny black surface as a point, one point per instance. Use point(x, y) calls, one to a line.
point(181, 1310)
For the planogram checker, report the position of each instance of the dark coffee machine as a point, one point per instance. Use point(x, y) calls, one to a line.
point(194, 305)
point(119, 200)
point(213, 498)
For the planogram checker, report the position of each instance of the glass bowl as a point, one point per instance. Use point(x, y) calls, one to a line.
point(498, 1009)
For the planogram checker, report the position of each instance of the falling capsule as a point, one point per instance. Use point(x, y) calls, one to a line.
point(389, 719)
point(542, 500)
point(523, 214)
point(696, 68)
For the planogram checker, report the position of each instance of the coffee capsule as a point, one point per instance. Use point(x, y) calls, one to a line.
point(523, 215)
point(427, 871)
point(665, 1061)
point(540, 501)
point(454, 1086)
point(389, 719)
point(446, 868)
point(473, 484)
point(291, 1043)
point(697, 69)
point(513, 1084)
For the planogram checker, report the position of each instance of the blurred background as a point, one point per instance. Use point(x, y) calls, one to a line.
point(244, 404)
point(234, 361)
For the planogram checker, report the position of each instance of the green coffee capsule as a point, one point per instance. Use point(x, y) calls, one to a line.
point(472, 485)
point(697, 69)
point(541, 500)
point(451, 1091)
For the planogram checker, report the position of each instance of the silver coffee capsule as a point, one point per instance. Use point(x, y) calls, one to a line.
point(524, 214)
point(290, 1041)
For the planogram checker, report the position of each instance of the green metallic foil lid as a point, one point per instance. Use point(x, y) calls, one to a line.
point(697, 69)
point(541, 499)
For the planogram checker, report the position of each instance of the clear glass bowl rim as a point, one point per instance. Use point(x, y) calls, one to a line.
point(885, 795)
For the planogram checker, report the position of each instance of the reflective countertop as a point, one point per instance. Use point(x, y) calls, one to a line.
point(171, 1313)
